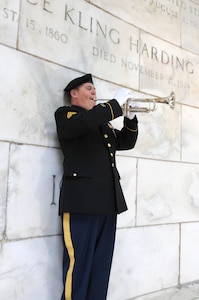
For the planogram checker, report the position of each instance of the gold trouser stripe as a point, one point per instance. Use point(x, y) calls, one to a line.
point(69, 247)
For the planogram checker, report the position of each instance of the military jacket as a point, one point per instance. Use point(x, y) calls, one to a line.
point(91, 182)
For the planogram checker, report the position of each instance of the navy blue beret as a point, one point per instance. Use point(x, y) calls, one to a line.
point(78, 81)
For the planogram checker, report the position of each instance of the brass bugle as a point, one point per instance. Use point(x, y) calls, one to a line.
point(131, 105)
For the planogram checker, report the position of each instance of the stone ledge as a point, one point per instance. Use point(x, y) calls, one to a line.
point(183, 292)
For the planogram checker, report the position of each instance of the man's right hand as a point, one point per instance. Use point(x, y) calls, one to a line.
point(122, 95)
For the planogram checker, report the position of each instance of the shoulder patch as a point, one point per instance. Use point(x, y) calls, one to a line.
point(70, 114)
point(103, 104)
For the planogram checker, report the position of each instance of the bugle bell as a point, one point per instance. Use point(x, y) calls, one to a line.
point(132, 104)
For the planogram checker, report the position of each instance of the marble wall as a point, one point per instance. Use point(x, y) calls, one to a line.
point(150, 47)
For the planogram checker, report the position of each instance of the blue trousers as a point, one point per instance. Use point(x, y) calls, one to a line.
point(88, 250)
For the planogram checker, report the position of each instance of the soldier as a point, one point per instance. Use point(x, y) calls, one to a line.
point(91, 194)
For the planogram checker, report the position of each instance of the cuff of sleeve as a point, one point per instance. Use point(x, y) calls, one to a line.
point(131, 125)
point(115, 108)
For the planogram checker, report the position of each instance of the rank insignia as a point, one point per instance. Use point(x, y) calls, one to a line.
point(70, 114)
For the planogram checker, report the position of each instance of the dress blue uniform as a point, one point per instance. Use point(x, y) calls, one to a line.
point(91, 194)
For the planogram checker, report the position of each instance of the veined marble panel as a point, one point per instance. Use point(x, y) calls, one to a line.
point(165, 68)
point(33, 192)
point(167, 192)
point(190, 26)
point(145, 260)
point(159, 133)
point(78, 35)
point(127, 169)
point(3, 190)
point(189, 269)
point(31, 269)
point(9, 17)
point(190, 134)
point(161, 18)
point(30, 93)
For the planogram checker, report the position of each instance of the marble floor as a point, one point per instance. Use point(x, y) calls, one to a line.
point(188, 292)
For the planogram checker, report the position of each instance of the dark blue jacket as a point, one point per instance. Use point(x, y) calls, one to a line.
point(91, 182)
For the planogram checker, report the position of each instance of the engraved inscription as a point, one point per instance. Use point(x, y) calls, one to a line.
point(53, 194)
point(9, 17)
point(163, 57)
point(47, 31)
point(9, 14)
point(86, 38)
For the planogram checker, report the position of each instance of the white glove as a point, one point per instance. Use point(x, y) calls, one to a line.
point(131, 114)
point(122, 95)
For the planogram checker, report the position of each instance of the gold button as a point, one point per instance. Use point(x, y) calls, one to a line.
point(113, 165)
point(111, 154)
point(109, 145)
point(106, 136)
point(74, 174)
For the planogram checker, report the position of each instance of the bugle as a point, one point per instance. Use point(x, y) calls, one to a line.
point(132, 104)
